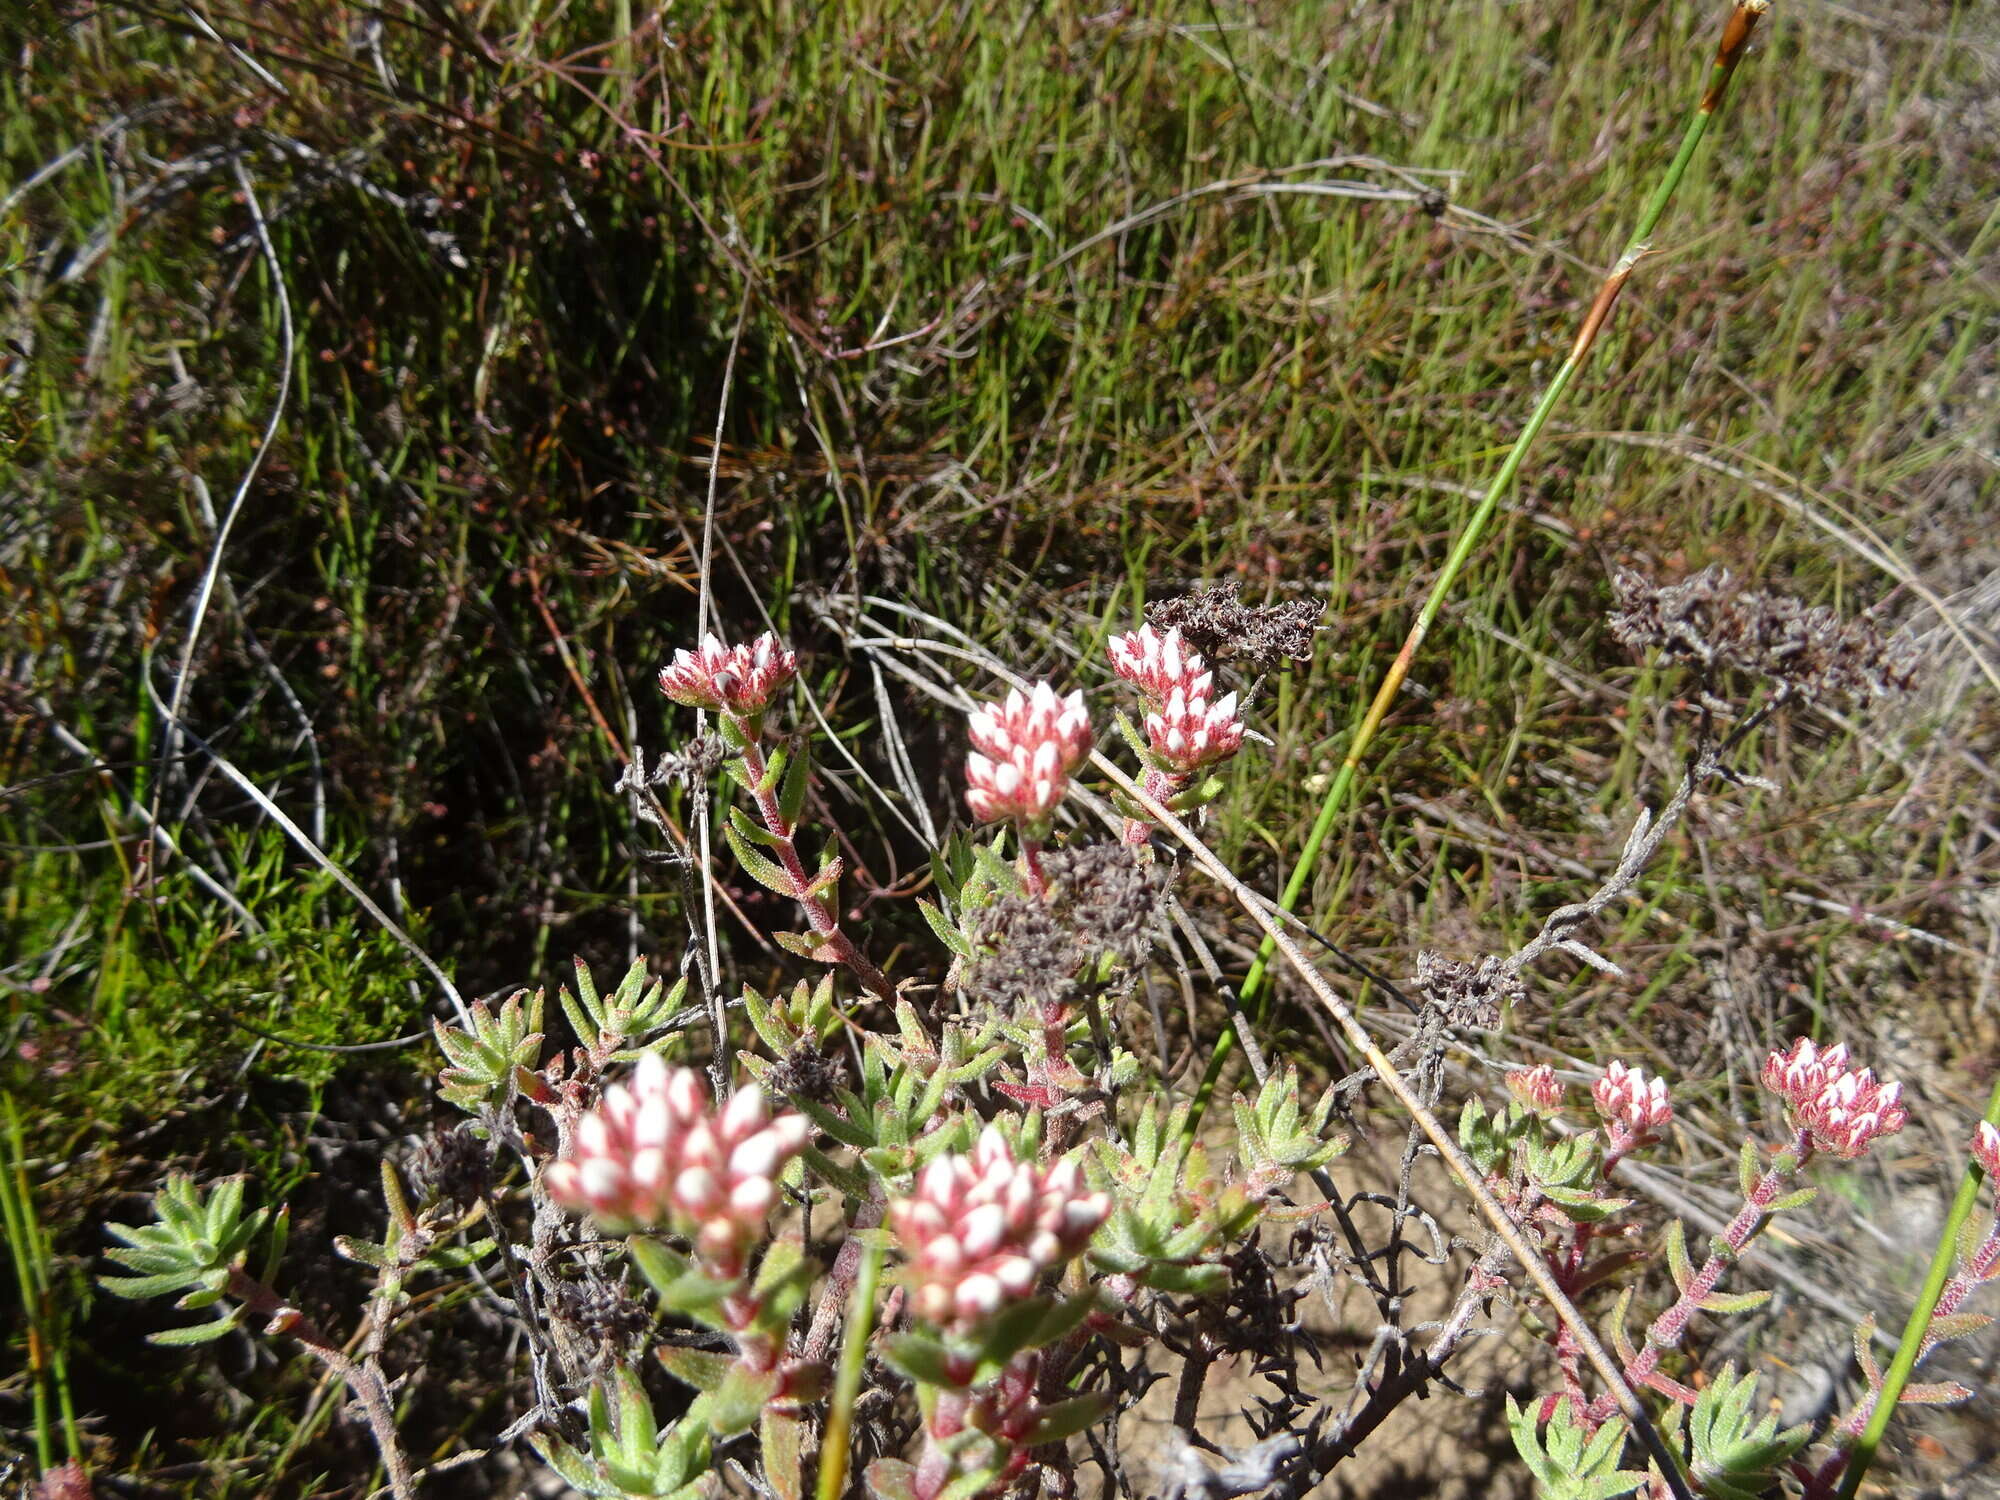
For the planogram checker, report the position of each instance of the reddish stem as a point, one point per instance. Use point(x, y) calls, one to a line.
point(1671, 1325)
point(362, 1377)
point(825, 926)
point(1973, 1270)
point(1031, 867)
point(1161, 787)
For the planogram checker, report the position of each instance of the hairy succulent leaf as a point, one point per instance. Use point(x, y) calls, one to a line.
point(481, 1063)
point(1568, 1461)
point(1737, 1456)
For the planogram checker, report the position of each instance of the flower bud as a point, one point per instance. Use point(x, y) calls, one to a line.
point(1635, 1108)
point(1024, 749)
point(654, 1154)
point(739, 680)
point(982, 1230)
point(1538, 1089)
point(1986, 1148)
point(1845, 1111)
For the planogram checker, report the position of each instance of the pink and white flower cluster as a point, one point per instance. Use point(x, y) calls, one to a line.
point(1187, 727)
point(1538, 1089)
point(981, 1229)
point(739, 680)
point(1635, 1108)
point(656, 1153)
point(1023, 752)
point(1845, 1111)
point(1160, 665)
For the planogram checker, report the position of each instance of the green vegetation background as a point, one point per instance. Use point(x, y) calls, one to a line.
point(1043, 311)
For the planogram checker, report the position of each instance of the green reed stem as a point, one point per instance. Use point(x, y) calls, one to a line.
point(1898, 1376)
point(847, 1380)
point(28, 1244)
point(1735, 37)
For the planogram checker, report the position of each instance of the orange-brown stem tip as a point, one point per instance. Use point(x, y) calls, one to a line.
point(1735, 37)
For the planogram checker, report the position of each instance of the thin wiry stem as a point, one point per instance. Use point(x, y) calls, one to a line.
point(704, 610)
point(210, 574)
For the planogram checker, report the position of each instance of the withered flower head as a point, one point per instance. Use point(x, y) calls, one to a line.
point(453, 1165)
point(1101, 899)
point(1708, 623)
point(1218, 624)
point(1467, 994)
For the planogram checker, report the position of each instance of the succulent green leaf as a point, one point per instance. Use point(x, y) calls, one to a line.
point(1934, 1393)
point(1581, 1206)
point(1737, 1456)
point(637, 1428)
point(890, 1479)
point(807, 945)
point(741, 822)
point(1864, 1352)
point(920, 1357)
point(1792, 1201)
point(797, 778)
point(1957, 1326)
point(736, 1404)
point(225, 1204)
point(458, 1257)
point(766, 872)
point(845, 1181)
point(363, 1252)
point(1567, 1461)
point(572, 1467)
point(199, 1333)
point(782, 1439)
point(151, 1259)
point(968, 1486)
point(764, 1022)
point(1067, 1418)
point(703, 1369)
point(846, 1129)
point(135, 1288)
point(1748, 1165)
point(945, 930)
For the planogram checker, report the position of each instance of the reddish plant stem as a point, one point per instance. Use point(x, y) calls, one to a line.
point(1031, 867)
point(1671, 1325)
point(371, 1391)
point(934, 1468)
point(825, 926)
point(1568, 1269)
point(1160, 786)
point(840, 1282)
